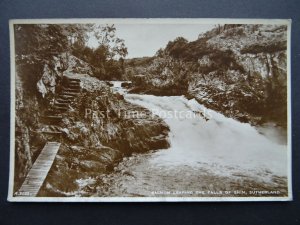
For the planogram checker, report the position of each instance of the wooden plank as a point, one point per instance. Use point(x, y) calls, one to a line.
point(49, 132)
point(53, 117)
point(39, 170)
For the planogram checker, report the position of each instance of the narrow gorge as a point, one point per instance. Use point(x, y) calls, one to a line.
point(200, 118)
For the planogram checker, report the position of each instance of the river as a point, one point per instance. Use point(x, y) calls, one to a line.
point(209, 153)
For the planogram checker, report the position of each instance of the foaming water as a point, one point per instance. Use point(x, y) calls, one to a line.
point(207, 151)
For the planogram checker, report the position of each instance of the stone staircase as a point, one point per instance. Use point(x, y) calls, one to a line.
point(71, 88)
point(53, 117)
point(51, 130)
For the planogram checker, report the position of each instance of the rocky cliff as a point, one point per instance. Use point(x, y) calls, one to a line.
point(95, 126)
point(239, 70)
point(100, 130)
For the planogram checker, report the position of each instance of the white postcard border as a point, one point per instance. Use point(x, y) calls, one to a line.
point(12, 198)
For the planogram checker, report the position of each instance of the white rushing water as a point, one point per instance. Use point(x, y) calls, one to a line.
point(208, 151)
point(117, 86)
point(216, 139)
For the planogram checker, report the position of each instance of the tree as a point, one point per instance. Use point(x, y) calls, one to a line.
point(39, 42)
point(100, 55)
point(177, 47)
point(77, 34)
point(106, 37)
point(35, 46)
point(159, 53)
point(108, 58)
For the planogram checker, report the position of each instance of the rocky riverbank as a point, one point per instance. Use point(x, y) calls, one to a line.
point(238, 70)
point(95, 126)
point(99, 130)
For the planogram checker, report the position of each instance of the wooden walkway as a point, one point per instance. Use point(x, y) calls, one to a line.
point(39, 170)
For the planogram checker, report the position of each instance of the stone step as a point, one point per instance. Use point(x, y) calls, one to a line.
point(66, 104)
point(51, 119)
point(75, 89)
point(67, 97)
point(73, 82)
point(60, 108)
point(69, 93)
point(75, 85)
point(73, 79)
point(71, 90)
point(60, 100)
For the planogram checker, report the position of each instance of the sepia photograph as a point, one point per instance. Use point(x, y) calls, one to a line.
point(143, 110)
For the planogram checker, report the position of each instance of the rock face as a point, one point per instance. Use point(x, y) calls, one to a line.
point(100, 130)
point(239, 70)
point(54, 69)
point(95, 127)
point(27, 143)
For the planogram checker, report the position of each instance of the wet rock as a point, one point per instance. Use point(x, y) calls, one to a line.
point(47, 82)
point(234, 70)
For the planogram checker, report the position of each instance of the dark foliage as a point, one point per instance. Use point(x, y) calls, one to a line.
point(266, 47)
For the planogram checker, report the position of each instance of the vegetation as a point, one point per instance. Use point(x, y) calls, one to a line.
point(37, 44)
point(216, 65)
point(107, 60)
point(267, 47)
point(38, 48)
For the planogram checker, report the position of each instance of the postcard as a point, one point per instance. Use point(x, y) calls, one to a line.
point(143, 110)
